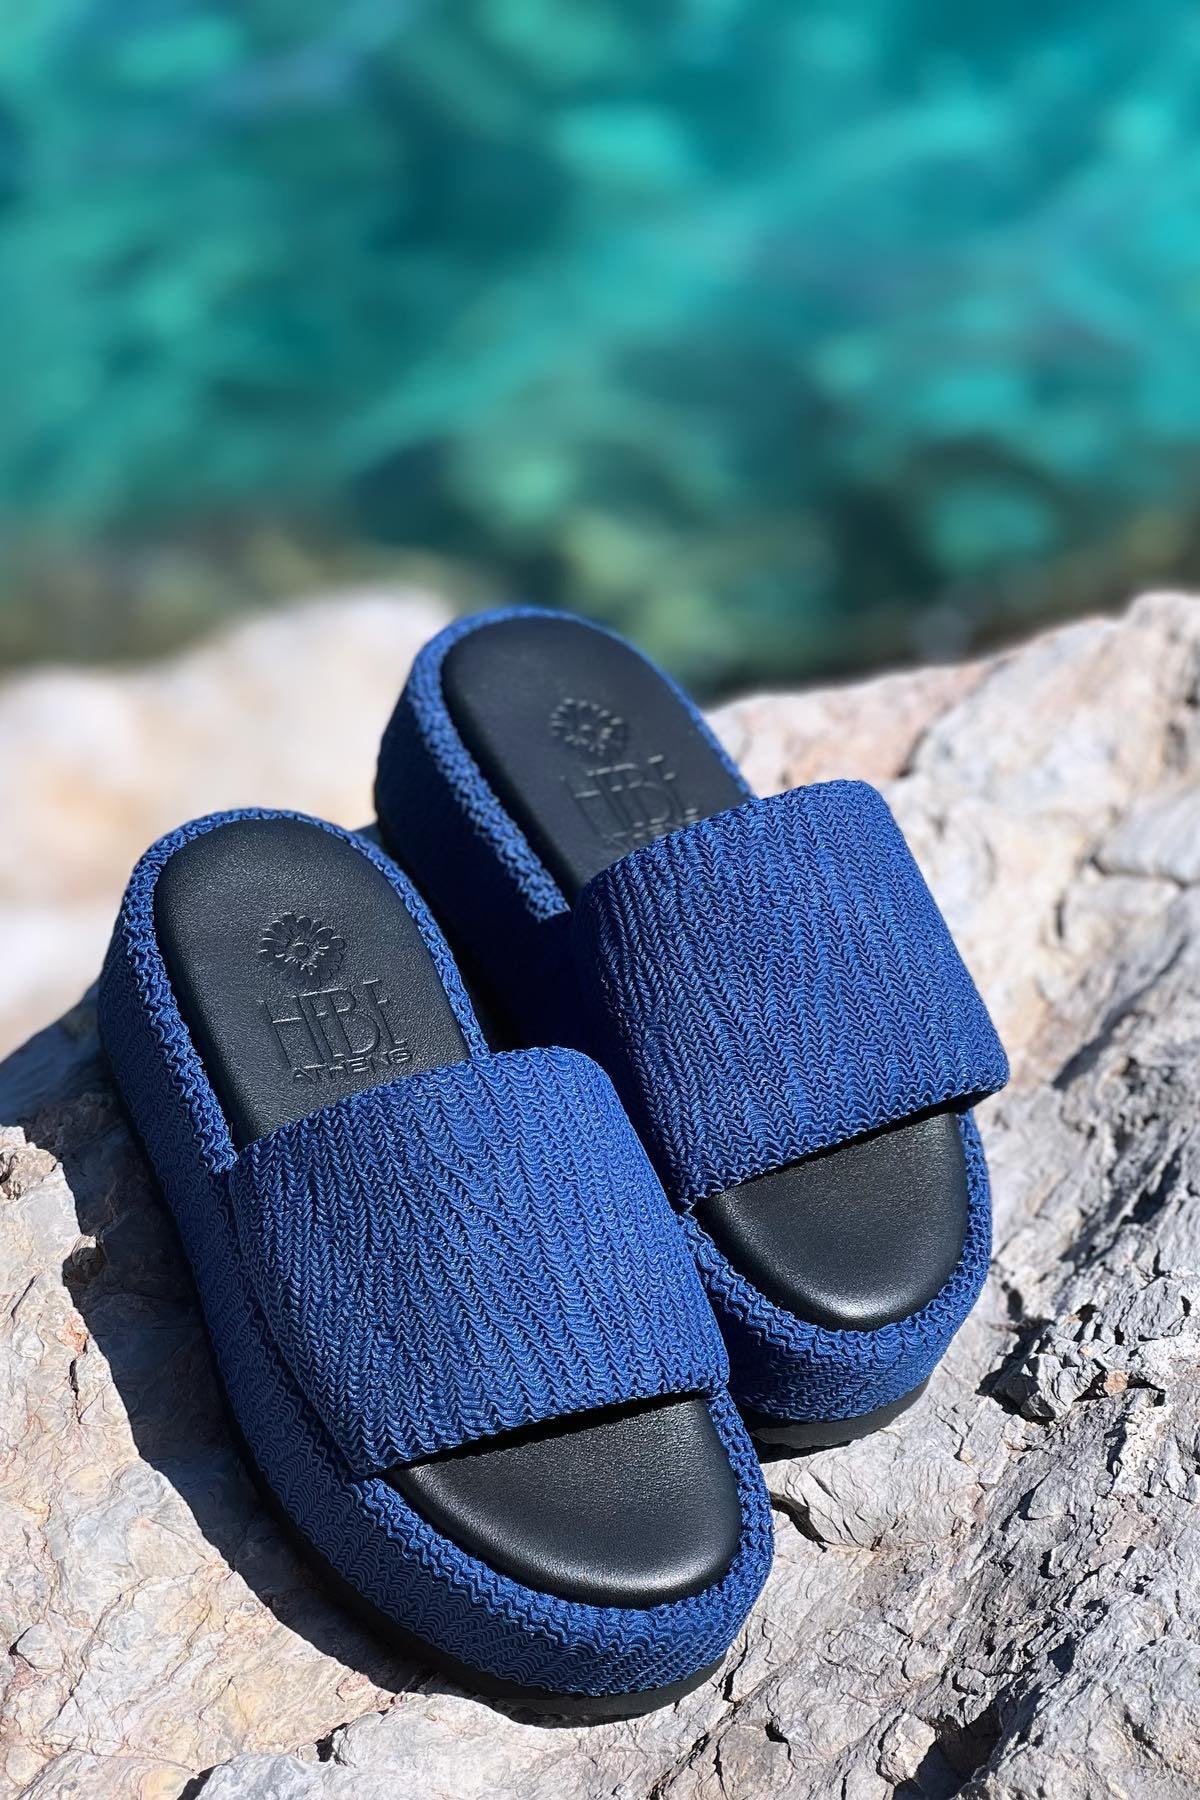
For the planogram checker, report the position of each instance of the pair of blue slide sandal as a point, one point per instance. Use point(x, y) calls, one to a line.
point(493, 1318)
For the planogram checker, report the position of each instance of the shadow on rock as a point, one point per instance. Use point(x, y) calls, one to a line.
point(130, 1282)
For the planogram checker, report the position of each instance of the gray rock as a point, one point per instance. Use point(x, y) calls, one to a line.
point(290, 1778)
point(998, 1596)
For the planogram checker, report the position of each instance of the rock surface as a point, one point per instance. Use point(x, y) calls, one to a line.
point(284, 711)
point(998, 1596)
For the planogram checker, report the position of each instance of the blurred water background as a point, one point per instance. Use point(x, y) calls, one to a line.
point(793, 338)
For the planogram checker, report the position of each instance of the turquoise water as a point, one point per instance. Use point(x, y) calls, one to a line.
point(795, 336)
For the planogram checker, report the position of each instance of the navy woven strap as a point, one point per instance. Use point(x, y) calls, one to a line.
point(775, 980)
point(468, 1250)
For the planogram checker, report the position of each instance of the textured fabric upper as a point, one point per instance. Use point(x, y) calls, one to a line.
point(471, 1249)
point(775, 980)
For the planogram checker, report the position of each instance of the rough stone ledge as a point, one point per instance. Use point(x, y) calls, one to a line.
point(998, 1596)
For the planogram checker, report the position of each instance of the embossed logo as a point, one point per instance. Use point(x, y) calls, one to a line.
point(305, 943)
point(591, 729)
point(325, 1031)
point(628, 804)
point(626, 800)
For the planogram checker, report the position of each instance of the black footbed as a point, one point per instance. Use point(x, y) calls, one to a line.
point(593, 753)
point(881, 1204)
point(590, 1709)
point(302, 977)
point(583, 741)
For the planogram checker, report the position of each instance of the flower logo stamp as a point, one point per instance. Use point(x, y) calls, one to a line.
point(590, 728)
point(299, 942)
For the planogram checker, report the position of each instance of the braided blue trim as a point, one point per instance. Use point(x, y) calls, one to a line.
point(775, 980)
point(468, 1250)
point(363, 1527)
point(422, 722)
point(788, 1369)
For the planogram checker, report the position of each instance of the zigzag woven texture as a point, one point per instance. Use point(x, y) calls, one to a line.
point(364, 1527)
point(468, 1250)
point(775, 980)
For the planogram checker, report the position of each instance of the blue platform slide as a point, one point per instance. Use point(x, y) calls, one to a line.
point(461, 1336)
point(769, 983)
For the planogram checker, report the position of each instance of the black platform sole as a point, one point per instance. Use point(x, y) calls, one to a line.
point(827, 1434)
